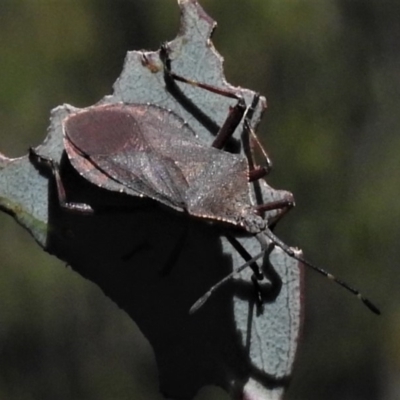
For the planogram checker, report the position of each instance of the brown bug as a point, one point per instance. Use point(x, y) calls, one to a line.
point(148, 151)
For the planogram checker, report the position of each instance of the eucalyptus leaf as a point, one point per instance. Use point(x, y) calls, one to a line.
point(125, 252)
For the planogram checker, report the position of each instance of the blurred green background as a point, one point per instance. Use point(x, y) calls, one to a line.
point(331, 73)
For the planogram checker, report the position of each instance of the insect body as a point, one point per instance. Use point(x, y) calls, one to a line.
point(148, 151)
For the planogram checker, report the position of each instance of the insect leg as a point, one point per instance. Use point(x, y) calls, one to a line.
point(283, 204)
point(273, 277)
point(245, 255)
point(200, 302)
point(232, 121)
point(164, 56)
point(258, 275)
point(282, 207)
point(248, 138)
point(62, 198)
point(235, 115)
point(228, 128)
point(271, 274)
point(266, 271)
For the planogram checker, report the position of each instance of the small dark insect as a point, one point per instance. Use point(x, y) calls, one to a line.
point(147, 151)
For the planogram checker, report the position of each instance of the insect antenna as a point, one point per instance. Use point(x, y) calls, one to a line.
point(289, 251)
point(200, 302)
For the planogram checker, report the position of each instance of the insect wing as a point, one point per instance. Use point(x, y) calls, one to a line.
point(113, 140)
point(159, 176)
